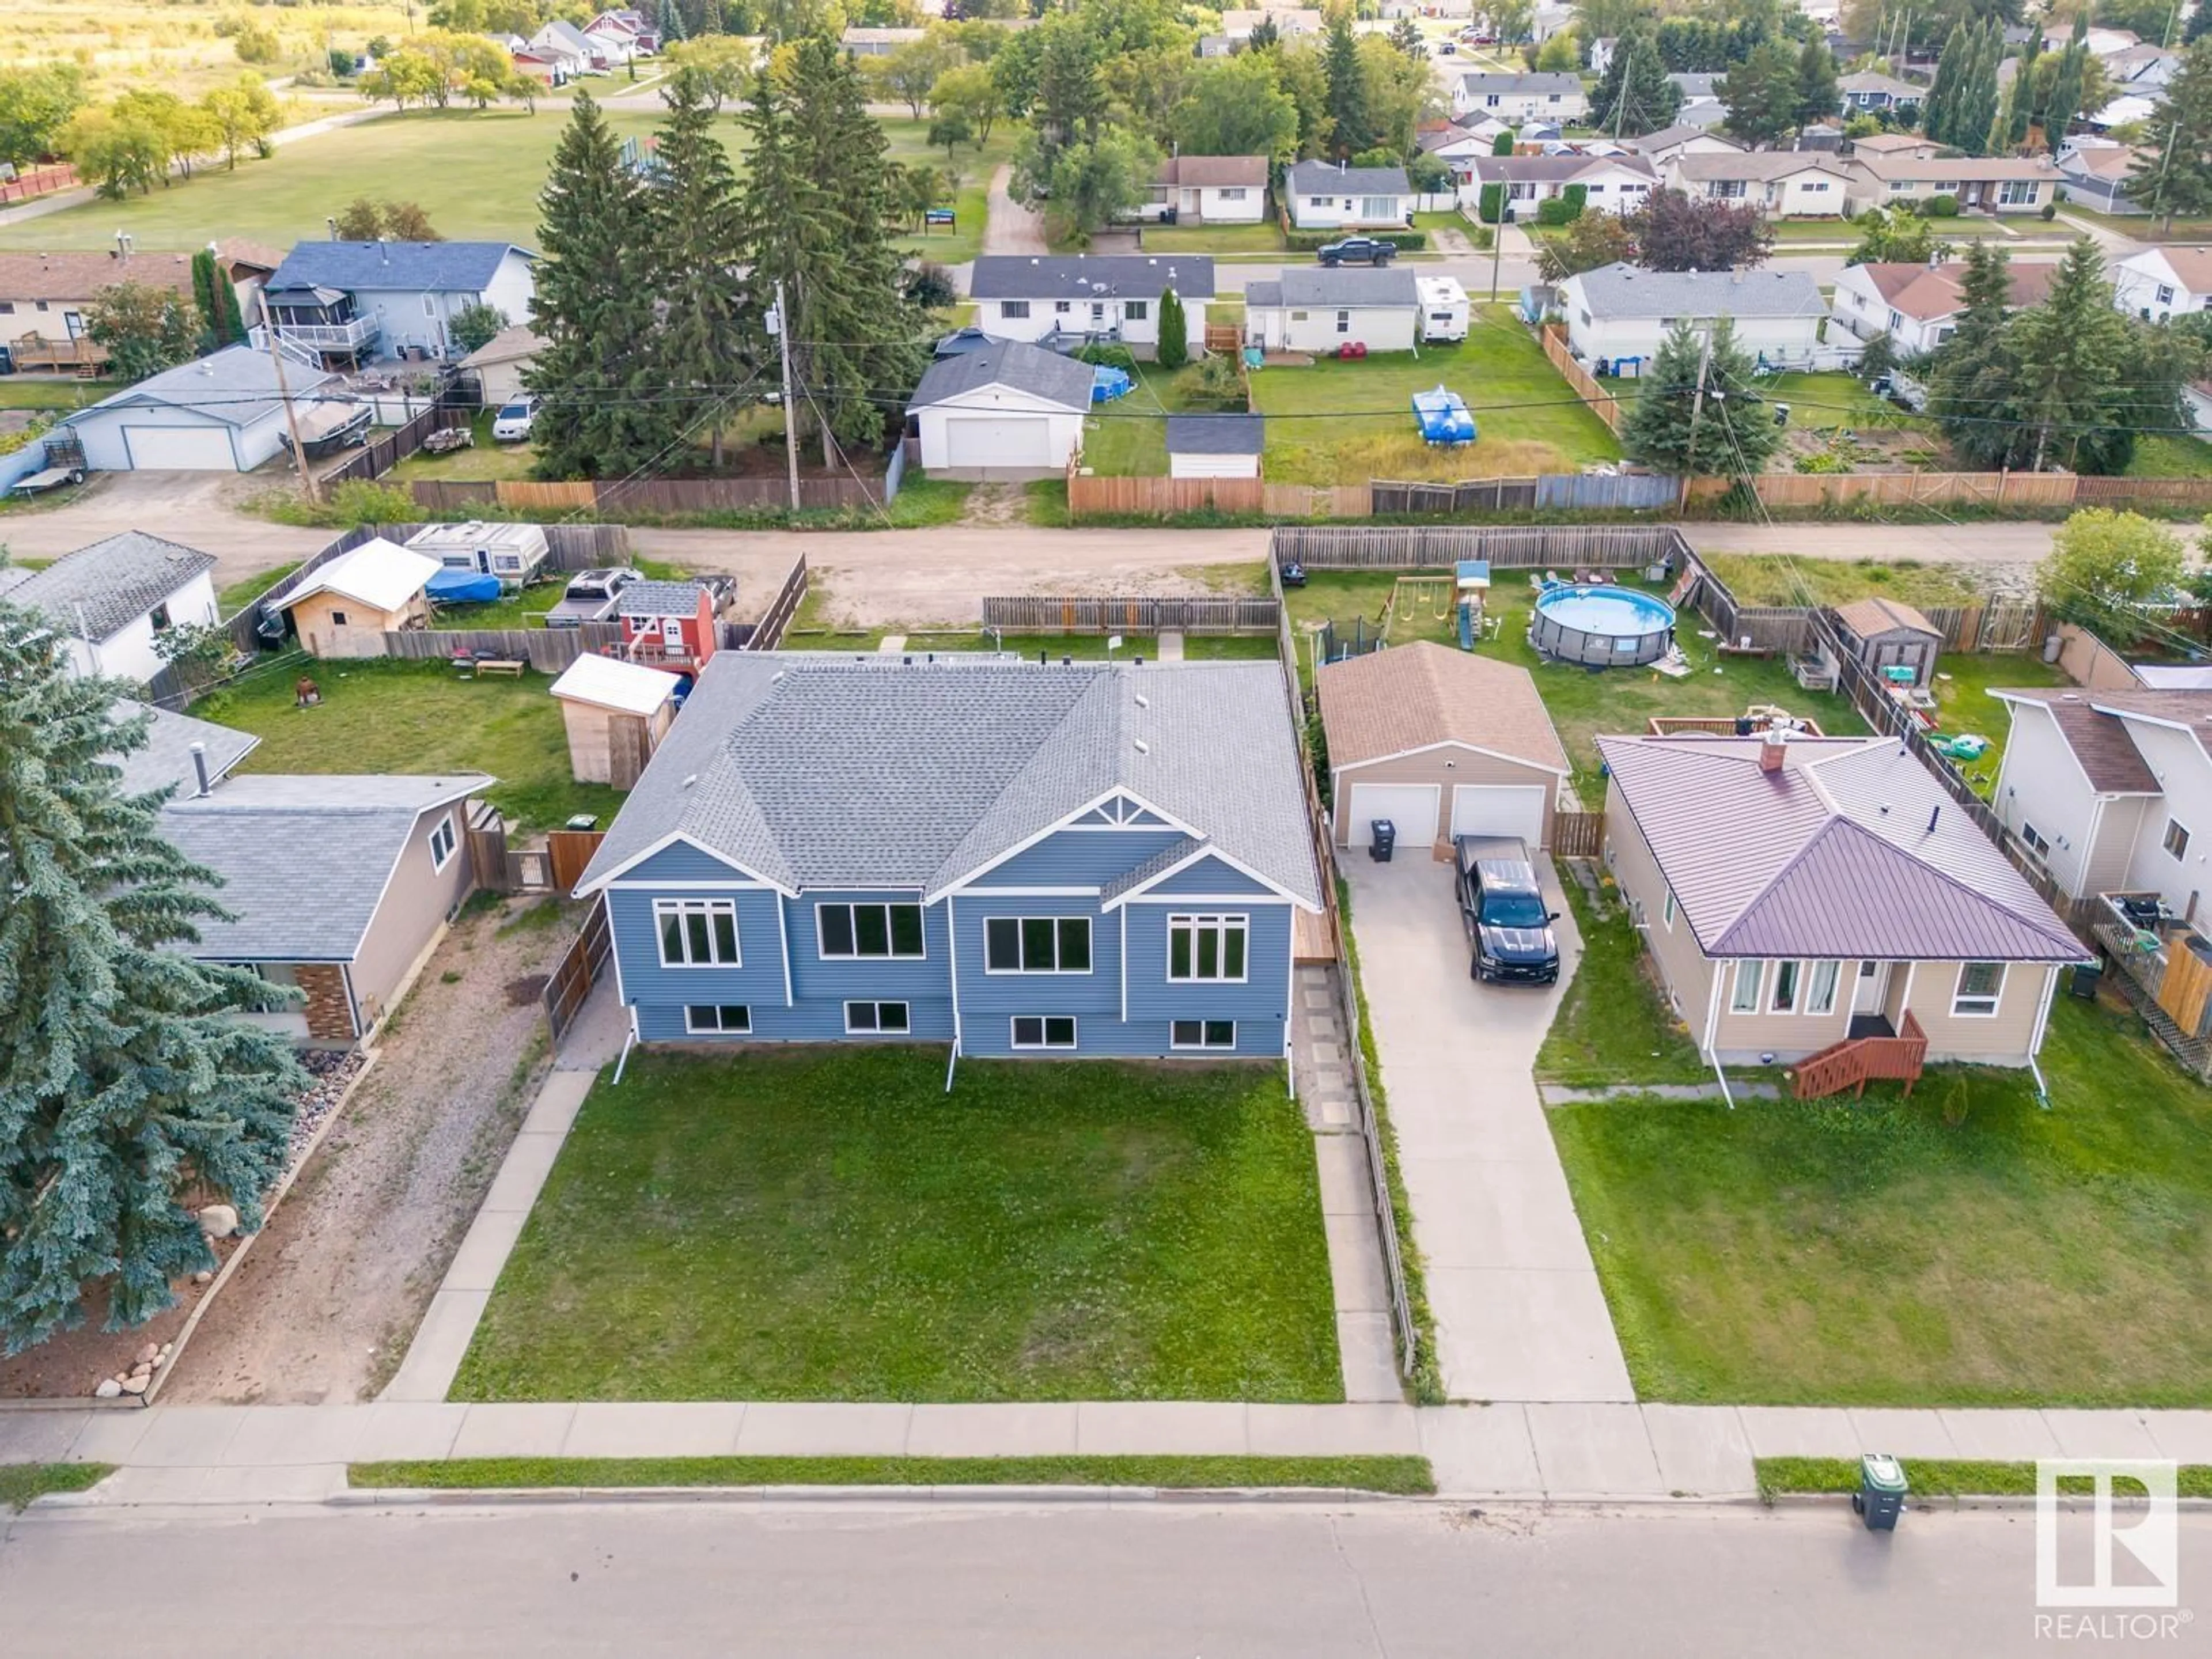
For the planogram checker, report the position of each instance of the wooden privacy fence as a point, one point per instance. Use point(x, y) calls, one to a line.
point(548, 650)
point(570, 984)
point(1095, 497)
point(1517, 547)
point(570, 851)
point(1577, 835)
point(380, 455)
point(647, 496)
point(1601, 403)
point(1999, 624)
point(767, 633)
point(1138, 613)
point(30, 182)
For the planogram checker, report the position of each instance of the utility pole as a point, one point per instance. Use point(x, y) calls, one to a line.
point(284, 391)
point(1497, 236)
point(790, 415)
point(1696, 410)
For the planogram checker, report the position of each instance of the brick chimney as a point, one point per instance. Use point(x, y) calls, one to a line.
point(1771, 748)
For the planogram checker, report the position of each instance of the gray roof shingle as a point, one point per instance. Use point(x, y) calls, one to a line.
point(111, 584)
point(821, 773)
point(304, 860)
point(167, 758)
point(1625, 290)
point(1080, 276)
point(659, 599)
point(1481, 82)
point(236, 386)
point(1042, 373)
point(1216, 434)
point(432, 267)
point(1340, 285)
point(1320, 177)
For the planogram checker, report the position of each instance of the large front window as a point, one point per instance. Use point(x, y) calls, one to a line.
point(1980, 985)
point(870, 930)
point(1747, 977)
point(1036, 945)
point(698, 932)
point(1207, 947)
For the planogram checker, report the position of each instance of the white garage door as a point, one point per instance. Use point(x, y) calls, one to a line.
point(172, 448)
point(999, 441)
point(1412, 806)
point(1499, 809)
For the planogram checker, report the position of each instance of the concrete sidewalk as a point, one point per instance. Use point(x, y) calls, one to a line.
point(1583, 1451)
point(1519, 1312)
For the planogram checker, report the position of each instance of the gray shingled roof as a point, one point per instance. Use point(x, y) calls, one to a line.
point(1080, 276)
point(817, 773)
point(167, 758)
point(1626, 290)
point(304, 860)
point(659, 599)
point(111, 584)
point(432, 267)
point(1042, 373)
point(1339, 285)
point(1487, 81)
point(1323, 178)
point(1216, 434)
point(236, 386)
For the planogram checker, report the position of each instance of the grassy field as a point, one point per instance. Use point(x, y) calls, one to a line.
point(1760, 578)
point(974, 164)
point(1583, 702)
point(1406, 1477)
point(1266, 237)
point(42, 392)
point(1965, 1248)
point(126, 43)
point(416, 717)
point(2171, 455)
point(483, 460)
point(1828, 400)
point(1344, 422)
point(826, 1224)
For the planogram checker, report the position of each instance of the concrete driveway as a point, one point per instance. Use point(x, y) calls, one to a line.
point(1519, 1313)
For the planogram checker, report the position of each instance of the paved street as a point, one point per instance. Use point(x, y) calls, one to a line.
point(1073, 1580)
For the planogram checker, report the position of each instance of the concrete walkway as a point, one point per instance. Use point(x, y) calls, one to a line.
point(298, 1453)
point(1519, 1313)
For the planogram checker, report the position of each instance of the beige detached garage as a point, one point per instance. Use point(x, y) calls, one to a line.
point(1442, 743)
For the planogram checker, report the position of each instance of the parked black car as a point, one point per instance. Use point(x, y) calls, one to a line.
point(1358, 251)
point(1502, 904)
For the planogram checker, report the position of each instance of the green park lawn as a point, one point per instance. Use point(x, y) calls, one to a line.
point(1965, 1247)
point(1266, 237)
point(415, 717)
point(830, 1225)
point(1346, 422)
point(43, 391)
point(974, 164)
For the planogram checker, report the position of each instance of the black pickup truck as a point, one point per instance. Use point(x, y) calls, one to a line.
point(1502, 905)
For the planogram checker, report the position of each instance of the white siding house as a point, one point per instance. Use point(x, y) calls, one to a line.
point(220, 414)
point(368, 300)
point(1318, 308)
point(2161, 283)
point(1556, 98)
point(1782, 183)
point(1916, 305)
point(111, 602)
point(1323, 197)
point(1623, 312)
point(1047, 297)
point(1005, 412)
point(1611, 184)
point(1213, 190)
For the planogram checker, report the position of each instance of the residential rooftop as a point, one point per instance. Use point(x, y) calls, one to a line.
point(433, 267)
point(96, 592)
point(1625, 290)
point(1089, 275)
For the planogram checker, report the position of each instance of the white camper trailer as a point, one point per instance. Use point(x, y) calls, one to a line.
point(1444, 308)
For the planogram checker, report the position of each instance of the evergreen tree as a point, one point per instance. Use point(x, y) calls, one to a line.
point(1938, 108)
point(2072, 357)
point(2199, 24)
point(1634, 95)
point(206, 279)
point(1974, 121)
point(1502, 144)
point(1972, 377)
point(2173, 168)
point(700, 342)
point(602, 413)
point(125, 1074)
point(1731, 432)
point(1820, 95)
point(1173, 348)
point(1351, 126)
point(1407, 38)
point(2065, 101)
point(2020, 96)
point(1762, 93)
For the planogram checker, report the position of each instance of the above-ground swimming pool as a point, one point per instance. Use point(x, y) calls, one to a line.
point(1602, 626)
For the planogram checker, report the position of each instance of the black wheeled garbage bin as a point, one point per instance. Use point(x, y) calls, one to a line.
point(1383, 839)
point(1881, 1497)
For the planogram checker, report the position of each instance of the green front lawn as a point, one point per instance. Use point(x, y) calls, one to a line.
point(1939, 1477)
point(382, 716)
point(1965, 1248)
point(1346, 422)
point(1410, 1477)
point(1266, 237)
point(1612, 1027)
point(830, 1225)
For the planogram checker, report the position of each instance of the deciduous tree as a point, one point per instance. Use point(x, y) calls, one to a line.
point(1236, 105)
point(144, 328)
point(1584, 244)
point(970, 93)
point(35, 104)
point(1673, 233)
point(2103, 566)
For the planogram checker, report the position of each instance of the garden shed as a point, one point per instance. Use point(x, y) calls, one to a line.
point(1887, 634)
point(616, 714)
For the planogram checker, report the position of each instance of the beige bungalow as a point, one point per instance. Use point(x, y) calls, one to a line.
point(1442, 743)
point(1822, 903)
point(1987, 183)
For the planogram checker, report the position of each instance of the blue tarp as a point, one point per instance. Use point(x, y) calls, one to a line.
point(1443, 418)
point(462, 587)
point(1107, 384)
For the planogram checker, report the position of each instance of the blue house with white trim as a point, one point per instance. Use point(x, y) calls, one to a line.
point(1016, 858)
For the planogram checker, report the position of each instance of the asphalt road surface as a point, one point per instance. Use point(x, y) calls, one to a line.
point(857, 1578)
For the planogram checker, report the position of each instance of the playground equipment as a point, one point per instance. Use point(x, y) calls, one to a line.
point(1966, 747)
point(1417, 598)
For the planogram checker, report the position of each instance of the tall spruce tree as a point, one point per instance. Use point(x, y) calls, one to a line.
point(2065, 101)
point(1761, 94)
point(2199, 24)
point(2173, 173)
point(1352, 123)
point(1634, 96)
point(1820, 95)
point(1970, 390)
point(1938, 108)
point(603, 412)
point(700, 341)
point(125, 1075)
point(2073, 358)
point(1730, 432)
point(2019, 95)
point(1974, 121)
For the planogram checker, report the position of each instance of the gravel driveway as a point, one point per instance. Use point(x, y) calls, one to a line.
point(325, 1304)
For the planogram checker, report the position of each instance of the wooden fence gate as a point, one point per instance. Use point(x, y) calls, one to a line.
point(572, 850)
point(571, 980)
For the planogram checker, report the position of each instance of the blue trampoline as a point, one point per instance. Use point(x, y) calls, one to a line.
point(462, 587)
point(1107, 384)
point(1443, 418)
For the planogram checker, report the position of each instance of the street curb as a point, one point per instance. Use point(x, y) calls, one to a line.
point(1959, 1502)
point(447, 1497)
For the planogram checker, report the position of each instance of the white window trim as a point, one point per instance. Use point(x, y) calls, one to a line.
point(682, 907)
point(1995, 998)
point(878, 1003)
point(2165, 841)
point(1835, 987)
point(1666, 911)
point(718, 1029)
point(1044, 1022)
point(1757, 987)
point(1790, 969)
point(1054, 971)
point(444, 827)
point(822, 949)
point(1202, 1046)
point(1221, 920)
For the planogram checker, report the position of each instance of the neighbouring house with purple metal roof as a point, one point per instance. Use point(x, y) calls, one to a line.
point(1822, 903)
